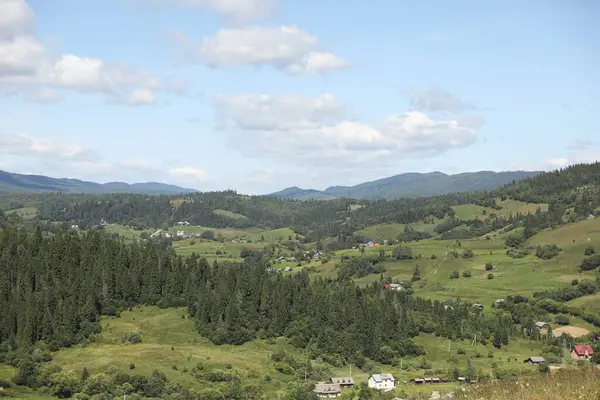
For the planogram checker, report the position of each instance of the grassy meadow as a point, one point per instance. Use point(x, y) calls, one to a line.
point(25, 213)
point(172, 345)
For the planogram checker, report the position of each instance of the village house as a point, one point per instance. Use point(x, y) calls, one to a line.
point(477, 305)
point(393, 286)
point(582, 352)
point(541, 325)
point(535, 360)
point(499, 302)
point(76, 227)
point(183, 223)
point(384, 382)
point(323, 389)
point(591, 217)
point(344, 382)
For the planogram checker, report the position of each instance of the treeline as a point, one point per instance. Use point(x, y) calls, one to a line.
point(572, 193)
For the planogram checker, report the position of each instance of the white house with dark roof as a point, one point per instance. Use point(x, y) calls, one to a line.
point(385, 382)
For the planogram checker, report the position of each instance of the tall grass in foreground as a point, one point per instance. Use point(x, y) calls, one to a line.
point(563, 384)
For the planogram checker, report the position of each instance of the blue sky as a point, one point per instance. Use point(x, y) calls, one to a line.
point(258, 95)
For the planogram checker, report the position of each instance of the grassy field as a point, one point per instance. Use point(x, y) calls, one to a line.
point(391, 231)
point(563, 384)
point(214, 250)
point(26, 212)
point(472, 211)
point(511, 276)
point(127, 232)
point(230, 214)
point(172, 345)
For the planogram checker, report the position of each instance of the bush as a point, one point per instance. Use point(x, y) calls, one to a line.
point(490, 276)
point(132, 366)
point(466, 274)
point(562, 320)
point(209, 235)
point(589, 250)
point(433, 256)
point(489, 267)
point(517, 253)
point(575, 282)
point(590, 263)
point(468, 254)
point(547, 251)
point(454, 275)
point(132, 337)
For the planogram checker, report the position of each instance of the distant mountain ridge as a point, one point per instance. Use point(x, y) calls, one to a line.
point(411, 184)
point(11, 182)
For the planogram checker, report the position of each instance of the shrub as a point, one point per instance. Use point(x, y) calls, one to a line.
point(562, 320)
point(590, 263)
point(575, 282)
point(490, 276)
point(468, 254)
point(192, 242)
point(589, 250)
point(489, 267)
point(132, 337)
point(547, 251)
point(466, 274)
point(433, 256)
point(454, 275)
point(517, 253)
point(132, 366)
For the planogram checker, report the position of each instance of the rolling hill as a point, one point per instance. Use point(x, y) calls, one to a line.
point(411, 185)
point(10, 182)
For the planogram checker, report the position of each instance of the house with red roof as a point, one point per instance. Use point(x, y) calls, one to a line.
point(582, 352)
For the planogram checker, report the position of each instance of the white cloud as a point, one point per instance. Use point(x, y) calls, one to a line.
point(314, 131)
point(178, 86)
point(188, 174)
point(287, 48)
point(24, 154)
point(27, 64)
point(437, 99)
point(140, 97)
point(580, 158)
point(26, 146)
point(16, 18)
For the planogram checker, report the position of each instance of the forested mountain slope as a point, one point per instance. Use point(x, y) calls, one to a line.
point(411, 185)
point(10, 182)
point(572, 193)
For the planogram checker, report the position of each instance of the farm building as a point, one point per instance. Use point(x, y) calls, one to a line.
point(582, 352)
point(344, 382)
point(326, 390)
point(385, 382)
point(535, 360)
point(541, 325)
point(393, 286)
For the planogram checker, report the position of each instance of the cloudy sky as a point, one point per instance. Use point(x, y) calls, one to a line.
point(258, 95)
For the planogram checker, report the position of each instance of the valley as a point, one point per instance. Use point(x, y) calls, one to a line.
point(476, 271)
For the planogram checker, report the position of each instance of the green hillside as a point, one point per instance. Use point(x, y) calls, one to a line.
point(19, 183)
point(411, 185)
point(263, 297)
